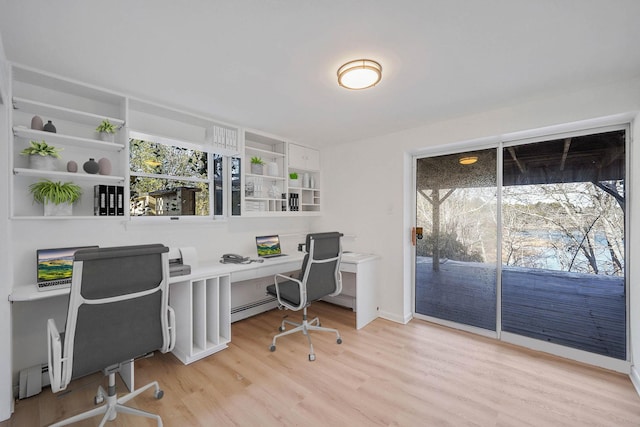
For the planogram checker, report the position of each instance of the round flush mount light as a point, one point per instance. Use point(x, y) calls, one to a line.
point(468, 160)
point(359, 74)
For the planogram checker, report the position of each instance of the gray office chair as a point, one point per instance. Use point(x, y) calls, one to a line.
point(118, 311)
point(320, 277)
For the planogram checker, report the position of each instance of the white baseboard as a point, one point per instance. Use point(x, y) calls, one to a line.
point(395, 318)
point(635, 378)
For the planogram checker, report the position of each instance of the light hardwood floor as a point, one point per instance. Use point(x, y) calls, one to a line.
point(386, 374)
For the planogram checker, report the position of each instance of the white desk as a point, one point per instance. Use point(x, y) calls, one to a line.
point(202, 300)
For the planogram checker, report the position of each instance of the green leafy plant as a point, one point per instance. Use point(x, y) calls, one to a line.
point(55, 192)
point(106, 126)
point(41, 149)
point(257, 161)
point(293, 175)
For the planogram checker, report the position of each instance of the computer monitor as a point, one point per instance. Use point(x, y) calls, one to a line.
point(268, 246)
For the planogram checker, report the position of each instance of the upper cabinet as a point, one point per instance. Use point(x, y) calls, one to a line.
point(303, 158)
point(70, 113)
point(280, 178)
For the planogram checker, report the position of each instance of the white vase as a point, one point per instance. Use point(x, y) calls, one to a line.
point(43, 163)
point(306, 183)
point(272, 169)
point(63, 209)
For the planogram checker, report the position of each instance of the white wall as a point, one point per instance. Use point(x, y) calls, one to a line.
point(369, 191)
point(6, 394)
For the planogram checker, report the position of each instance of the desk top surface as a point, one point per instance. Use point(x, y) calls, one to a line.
point(30, 292)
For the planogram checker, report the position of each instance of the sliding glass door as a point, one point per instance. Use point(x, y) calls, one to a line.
point(563, 234)
point(536, 250)
point(456, 258)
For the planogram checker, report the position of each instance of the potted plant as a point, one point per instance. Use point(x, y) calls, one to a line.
point(57, 197)
point(293, 180)
point(256, 165)
point(41, 155)
point(107, 130)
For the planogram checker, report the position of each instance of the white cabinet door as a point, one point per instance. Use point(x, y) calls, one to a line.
point(303, 158)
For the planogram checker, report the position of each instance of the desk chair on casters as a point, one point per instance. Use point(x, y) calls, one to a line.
point(118, 311)
point(320, 277)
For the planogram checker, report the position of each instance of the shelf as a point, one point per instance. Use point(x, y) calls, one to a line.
point(62, 113)
point(303, 189)
point(263, 152)
point(252, 175)
point(67, 175)
point(264, 199)
point(72, 217)
point(24, 132)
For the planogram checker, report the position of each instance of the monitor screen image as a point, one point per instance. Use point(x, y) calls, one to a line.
point(268, 245)
point(55, 264)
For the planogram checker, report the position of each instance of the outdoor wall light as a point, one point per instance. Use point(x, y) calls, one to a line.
point(469, 160)
point(359, 74)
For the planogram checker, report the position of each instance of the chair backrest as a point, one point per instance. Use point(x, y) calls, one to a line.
point(321, 265)
point(117, 306)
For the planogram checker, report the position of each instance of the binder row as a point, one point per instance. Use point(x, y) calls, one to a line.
point(108, 200)
point(222, 137)
point(294, 202)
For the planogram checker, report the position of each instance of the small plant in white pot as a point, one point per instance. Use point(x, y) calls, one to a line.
point(106, 130)
point(256, 165)
point(57, 197)
point(41, 155)
point(294, 181)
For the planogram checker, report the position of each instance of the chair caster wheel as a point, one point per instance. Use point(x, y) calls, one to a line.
point(312, 357)
point(272, 348)
point(339, 340)
point(98, 400)
point(281, 328)
point(158, 394)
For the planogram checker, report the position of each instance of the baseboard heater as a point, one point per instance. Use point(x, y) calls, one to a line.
point(253, 308)
point(32, 380)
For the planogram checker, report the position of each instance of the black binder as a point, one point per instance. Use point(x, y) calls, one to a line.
point(111, 200)
point(100, 200)
point(119, 200)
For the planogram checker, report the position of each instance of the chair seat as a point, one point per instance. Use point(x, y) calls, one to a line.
point(289, 291)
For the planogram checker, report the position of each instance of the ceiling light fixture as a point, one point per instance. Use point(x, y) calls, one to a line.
point(468, 160)
point(359, 74)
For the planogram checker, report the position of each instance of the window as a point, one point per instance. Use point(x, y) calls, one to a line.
point(172, 178)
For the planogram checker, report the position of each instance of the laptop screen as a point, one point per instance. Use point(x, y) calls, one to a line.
point(56, 264)
point(268, 245)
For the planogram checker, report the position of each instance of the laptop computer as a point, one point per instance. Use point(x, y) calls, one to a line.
point(269, 246)
point(54, 267)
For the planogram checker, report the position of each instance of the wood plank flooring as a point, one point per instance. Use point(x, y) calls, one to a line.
point(582, 311)
point(386, 374)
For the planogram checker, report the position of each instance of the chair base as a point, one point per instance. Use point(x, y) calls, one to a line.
point(305, 327)
point(114, 405)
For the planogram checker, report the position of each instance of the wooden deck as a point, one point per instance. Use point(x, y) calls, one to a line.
point(581, 311)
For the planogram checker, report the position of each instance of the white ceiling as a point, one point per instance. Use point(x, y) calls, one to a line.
point(271, 64)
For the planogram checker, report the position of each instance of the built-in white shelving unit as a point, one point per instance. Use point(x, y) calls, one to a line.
point(203, 316)
point(75, 109)
point(269, 191)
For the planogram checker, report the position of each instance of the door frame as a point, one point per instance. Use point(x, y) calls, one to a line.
point(620, 121)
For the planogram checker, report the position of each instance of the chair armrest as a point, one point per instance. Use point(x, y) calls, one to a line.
point(301, 287)
point(171, 317)
point(338, 285)
point(54, 353)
